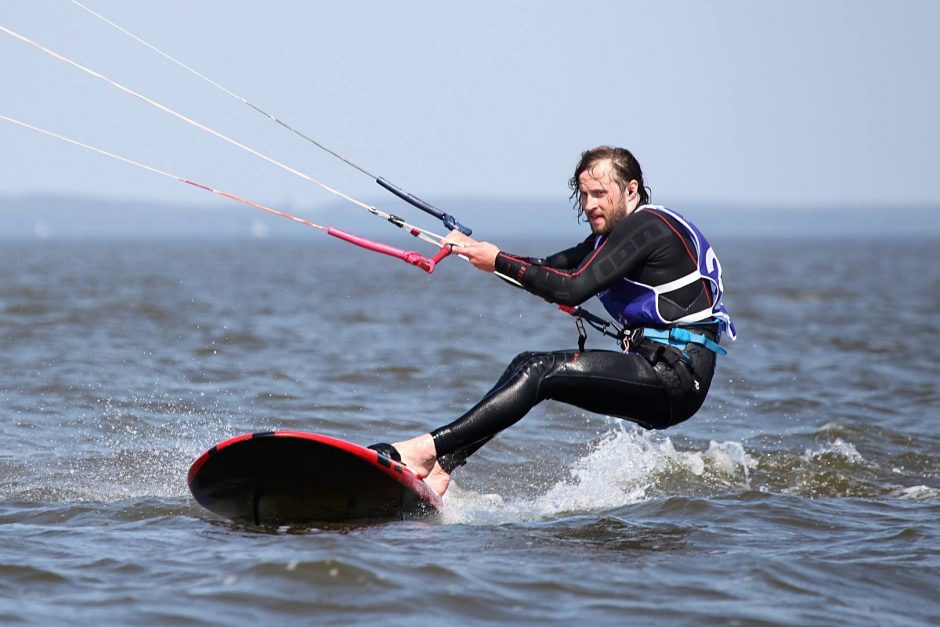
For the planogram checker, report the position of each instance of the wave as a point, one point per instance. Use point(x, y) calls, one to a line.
point(628, 466)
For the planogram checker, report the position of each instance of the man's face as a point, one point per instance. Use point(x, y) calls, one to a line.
point(603, 202)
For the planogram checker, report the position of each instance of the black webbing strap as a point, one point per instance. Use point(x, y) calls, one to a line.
point(654, 352)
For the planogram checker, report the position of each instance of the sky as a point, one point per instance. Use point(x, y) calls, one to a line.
point(737, 103)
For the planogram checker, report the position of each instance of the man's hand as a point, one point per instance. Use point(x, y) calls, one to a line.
point(481, 254)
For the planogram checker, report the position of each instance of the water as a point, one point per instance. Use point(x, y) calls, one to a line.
point(806, 491)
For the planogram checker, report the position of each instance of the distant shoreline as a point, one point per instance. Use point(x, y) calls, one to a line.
point(39, 217)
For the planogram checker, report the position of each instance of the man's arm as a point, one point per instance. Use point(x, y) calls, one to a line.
point(630, 244)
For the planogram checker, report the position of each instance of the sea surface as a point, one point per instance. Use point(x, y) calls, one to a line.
point(805, 492)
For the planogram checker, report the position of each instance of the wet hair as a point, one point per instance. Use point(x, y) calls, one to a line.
point(626, 169)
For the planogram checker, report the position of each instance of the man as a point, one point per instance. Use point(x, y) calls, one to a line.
point(655, 274)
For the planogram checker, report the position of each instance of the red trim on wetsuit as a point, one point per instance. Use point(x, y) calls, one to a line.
point(569, 275)
point(627, 251)
point(705, 288)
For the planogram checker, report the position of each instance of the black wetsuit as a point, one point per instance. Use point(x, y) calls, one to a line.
point(648, 385)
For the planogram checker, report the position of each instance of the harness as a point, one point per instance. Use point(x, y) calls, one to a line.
point(673, 337)
point(667, 345)
point(676, 337)
point(634, 303)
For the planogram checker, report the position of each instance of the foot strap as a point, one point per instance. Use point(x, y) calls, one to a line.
point(389, 451)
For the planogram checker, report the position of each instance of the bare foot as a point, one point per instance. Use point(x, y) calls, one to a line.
point(420, 455)
point(438, 480)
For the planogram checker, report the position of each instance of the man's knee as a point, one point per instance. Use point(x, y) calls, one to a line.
point(531, 363)
point(522, 358)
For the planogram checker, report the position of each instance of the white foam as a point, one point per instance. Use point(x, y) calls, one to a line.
point(918, 493)
point(727, 457)
point(624, 467)
point(839, 448)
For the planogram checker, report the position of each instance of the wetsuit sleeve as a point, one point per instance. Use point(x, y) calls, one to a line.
point(570, 258)
point(632, 242)
point(567, 259)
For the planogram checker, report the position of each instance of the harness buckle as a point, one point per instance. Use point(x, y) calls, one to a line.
point(631, 337)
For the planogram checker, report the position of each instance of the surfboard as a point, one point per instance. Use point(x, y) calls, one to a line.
point(295, 478)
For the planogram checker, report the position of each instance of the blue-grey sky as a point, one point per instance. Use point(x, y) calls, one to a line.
point(738, 102)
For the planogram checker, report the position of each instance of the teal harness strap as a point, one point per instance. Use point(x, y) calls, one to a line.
point(679, 338)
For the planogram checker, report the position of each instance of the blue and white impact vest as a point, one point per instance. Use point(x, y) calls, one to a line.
point(635, 304)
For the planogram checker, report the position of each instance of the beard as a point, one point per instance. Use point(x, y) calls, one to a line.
point(616, 214)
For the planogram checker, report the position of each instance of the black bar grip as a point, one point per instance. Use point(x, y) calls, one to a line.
point(449, 221)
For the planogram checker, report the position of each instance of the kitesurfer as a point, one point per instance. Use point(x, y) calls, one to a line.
point(655, 274)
